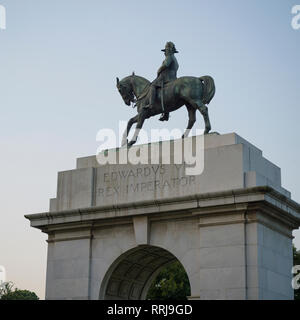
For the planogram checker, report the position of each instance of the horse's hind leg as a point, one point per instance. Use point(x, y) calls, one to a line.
point(204, 111)
point(192, 120)
point(126, 132)
point(198, 105)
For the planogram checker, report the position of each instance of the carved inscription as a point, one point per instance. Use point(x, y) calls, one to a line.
point(150, 179)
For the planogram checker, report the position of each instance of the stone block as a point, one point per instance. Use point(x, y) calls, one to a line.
point(230, 162)
point(218, 257)
point(75, 189)
point(222, 235)
point(141, 230)
point(222, 278)
point(235, 294)
point(53, 205)
point(279, 284)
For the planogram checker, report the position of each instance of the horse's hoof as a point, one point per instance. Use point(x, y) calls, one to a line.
point(131, 143)
point(214, 132)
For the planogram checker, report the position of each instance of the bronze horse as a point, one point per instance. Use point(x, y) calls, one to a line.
point(192, 92)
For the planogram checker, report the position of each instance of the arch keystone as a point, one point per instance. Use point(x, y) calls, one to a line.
point(141, 230)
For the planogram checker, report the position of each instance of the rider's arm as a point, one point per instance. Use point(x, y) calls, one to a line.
point(165, 64)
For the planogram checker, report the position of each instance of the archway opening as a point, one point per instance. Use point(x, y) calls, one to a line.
point(171, 283)
point(130, 277)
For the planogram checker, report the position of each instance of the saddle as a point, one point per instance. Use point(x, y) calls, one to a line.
point(144, 97)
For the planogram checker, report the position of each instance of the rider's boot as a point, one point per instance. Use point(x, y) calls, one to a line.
point(164, 116)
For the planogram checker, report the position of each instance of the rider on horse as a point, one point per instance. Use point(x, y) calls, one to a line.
point(166, 73)
point(193, 92)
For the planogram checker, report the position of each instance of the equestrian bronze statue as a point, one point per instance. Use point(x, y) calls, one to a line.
point(166, 94)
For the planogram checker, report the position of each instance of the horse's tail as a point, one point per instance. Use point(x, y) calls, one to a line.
point(209, 88)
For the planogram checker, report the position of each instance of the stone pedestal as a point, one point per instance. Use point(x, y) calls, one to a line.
point(113, 227)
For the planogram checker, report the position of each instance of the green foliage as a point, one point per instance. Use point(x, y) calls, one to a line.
point(6, 288)
point(171, 283)
point(7, 293)
point(296, 256)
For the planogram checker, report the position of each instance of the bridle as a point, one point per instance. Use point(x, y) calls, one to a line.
point(134, 102)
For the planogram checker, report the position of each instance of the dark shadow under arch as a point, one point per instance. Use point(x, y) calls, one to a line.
point(131, 275)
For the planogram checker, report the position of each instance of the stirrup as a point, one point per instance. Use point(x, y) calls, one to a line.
point(164, 116)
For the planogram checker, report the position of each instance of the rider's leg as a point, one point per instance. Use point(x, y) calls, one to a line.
point(165, 115)
point(152, 96)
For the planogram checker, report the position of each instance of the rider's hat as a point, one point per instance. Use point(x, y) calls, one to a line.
point(171, 46)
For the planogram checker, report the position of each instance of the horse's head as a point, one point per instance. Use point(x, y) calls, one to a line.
point(125, 89)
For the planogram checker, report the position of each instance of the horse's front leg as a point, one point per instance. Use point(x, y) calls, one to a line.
point(192, 120)
point(126, 132)
point(140, 122)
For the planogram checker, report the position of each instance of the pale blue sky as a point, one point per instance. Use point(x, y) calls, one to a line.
point(59, 60)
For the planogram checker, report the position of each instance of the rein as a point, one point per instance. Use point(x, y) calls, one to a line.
point(133, 103)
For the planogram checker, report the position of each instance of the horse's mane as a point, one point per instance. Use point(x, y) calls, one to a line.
point(134, 75)
point(142, 78)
